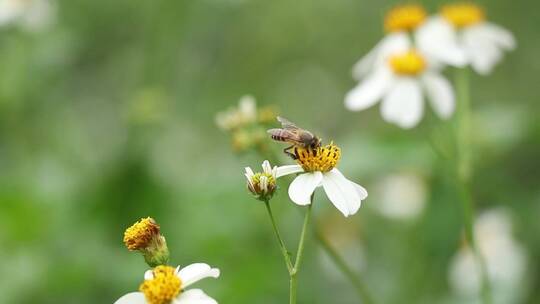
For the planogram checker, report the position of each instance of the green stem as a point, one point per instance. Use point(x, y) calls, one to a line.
point(464, 174)
point(358, 284)
point(299, 254)
point(282, 247)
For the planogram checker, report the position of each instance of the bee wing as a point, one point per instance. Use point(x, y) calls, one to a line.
point(289, 135)
point(286, 124)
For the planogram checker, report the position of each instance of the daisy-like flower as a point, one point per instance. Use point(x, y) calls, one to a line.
point(145, 236)
point(401, 24)
point(31, 14)
point(167, 285)
point(401, 83)
point(318, 168)
point(262, 184)
point(482, 42)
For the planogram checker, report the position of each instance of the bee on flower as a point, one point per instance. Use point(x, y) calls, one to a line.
point(167, 285)
point(465, 23)
point(400, 83)
point(317, 167)
point(405, 29)
point(246, 124)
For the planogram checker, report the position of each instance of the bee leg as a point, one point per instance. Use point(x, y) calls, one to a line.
point(286, 151)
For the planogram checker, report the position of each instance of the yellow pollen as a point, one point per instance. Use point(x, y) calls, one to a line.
point(139, 235)
point(409, 63)
point(163, 288)
point(463, 14)
point(404, 18)
point(321, 159)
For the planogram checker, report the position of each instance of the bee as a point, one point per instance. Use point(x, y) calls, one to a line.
point(294, 135)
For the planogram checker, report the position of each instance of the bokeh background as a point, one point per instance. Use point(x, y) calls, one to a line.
point(107, 115)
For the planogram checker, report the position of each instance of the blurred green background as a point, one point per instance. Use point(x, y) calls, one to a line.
point(107, 116)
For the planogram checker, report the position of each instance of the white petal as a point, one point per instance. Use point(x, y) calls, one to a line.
point(403, 105)
point(437, 39)
point(249, 172)
point(289, 169)
point(149, 274)
point(392, 43)
point(266, 167)
point(499, 35)
point(369, 91)
point(341, 192)
point(196, 272)
point(132, 298)
point(362, 192)
point(483, 53)
point(303, 186)
point(440, 93)
point(194, 296)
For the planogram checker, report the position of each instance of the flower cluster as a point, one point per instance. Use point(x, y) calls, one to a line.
point(246, 124)
point(407, 63)
point(163, 284)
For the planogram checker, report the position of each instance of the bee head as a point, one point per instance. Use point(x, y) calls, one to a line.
point(315, 142)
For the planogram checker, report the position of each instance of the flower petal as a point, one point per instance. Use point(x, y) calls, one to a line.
point(369, 91)
point(483, 53)
point(289, 169)
point(390, 44)
point(132, 298)
point(249, 172)
point(149, 274)
point(196, 272)
point(303, 186)
point(440, 93)
point(266, 167)
point(437, 39)
point(499, 35)
point(194, 296)
point(341, 192)
point(403, 104)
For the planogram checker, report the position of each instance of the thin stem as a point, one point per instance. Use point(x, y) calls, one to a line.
point(353, 277)
point(293, 286)
point(464, 174)
point(282, 246)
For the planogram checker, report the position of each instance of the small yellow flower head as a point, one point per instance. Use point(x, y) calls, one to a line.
point(262, 184)
point(410, 63)
point(463, 14)
point(140, 234)
point(145, 237)
point(404, 18)
point(324, 158)
point(163, 287)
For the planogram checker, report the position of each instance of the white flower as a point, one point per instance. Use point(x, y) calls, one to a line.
point(262, 184)
point(401, 82)
point(318, 167)
point(401, 195)
point(233, 118)
point(505, 259)
point(31, 14)
point(482, 42)
point(402, 23)
point(165, 284)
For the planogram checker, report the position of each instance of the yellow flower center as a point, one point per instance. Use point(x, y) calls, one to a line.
point(410, 63)
point(163, 288)
point(463, 14)
point(139, 235)
point(321, 159)
point(404, 18)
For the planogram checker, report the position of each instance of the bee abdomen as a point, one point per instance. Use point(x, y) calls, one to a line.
point(277, 137)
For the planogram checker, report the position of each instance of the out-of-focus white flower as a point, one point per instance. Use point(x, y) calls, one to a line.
point(262, 184)
point(319, 169)
point(401, 195)
point(401, 24)
point(505, 260)
point(401, 82)
point(165, 284)
point(482, 42)
point(33, 15)
point(233, 118)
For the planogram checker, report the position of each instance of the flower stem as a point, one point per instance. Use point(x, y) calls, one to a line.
point(299, 254)
point(282, 246)
point(464, 173)
point(357, 282)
